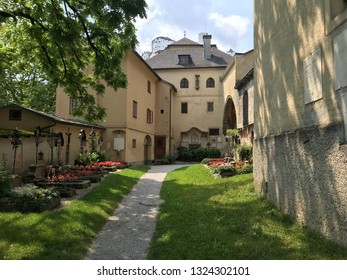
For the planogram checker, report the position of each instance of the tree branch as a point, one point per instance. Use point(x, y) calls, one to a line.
point(85, 28)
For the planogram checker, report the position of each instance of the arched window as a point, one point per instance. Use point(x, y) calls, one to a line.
point(184, 83)
point(210, 83)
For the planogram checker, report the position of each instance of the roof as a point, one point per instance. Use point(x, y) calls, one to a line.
point(153, 72)
point(168, 58)
point(245, 79)
point(55, 118)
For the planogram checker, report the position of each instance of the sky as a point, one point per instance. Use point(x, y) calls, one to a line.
point(230, 22)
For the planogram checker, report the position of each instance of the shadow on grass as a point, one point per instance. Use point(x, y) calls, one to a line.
point(66, 233)
point(206, 218)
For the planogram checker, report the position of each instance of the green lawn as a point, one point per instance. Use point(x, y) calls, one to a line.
point(207, 218)
point(66, 233)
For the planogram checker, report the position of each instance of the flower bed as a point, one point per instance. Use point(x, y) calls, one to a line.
point(29, 198)
point(226, 169)
point(78, 184)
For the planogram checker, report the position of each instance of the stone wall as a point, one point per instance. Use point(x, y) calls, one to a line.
point(304, 172)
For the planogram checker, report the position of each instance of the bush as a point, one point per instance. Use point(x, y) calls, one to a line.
point(168, 159)
point(4, 177)
point(224, 170)
point(244, 170)
point(65, 191)
point(91, 178)
point(29, 198)
point(245, 152)
point(88, 158)
point(197, 153)
point(208, 160)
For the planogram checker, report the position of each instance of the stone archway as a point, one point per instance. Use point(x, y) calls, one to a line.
point(147, 149)
point(229, 119)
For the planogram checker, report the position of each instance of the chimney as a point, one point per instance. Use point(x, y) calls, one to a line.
point(207, 46)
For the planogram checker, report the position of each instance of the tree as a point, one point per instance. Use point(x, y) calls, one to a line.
point(50, 43)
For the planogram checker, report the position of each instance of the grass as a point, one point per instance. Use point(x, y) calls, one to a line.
point(66, 233)
point(207, 218)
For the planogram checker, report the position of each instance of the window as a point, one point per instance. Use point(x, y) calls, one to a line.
point(73, 104)
point(134, 109)
point(335, 14)
point(15, 115)
point(210, 106)
point(197, 82)
point(161, 111)
point(214, 131)
point(184, 83)
point(184, 107)
point(149, 116)
point(149, 89)
point(133, 143)
point(210, 83)
point(245, 108)
point(184, 59)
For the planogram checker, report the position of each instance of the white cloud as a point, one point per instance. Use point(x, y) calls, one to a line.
point(231, 25)
point(171, 18)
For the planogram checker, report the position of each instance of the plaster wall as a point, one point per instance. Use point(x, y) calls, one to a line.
point(300, 158)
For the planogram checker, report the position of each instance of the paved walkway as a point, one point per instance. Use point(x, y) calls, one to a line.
point(127, 234)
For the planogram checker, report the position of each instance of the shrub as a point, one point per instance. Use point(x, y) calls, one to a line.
point(4, 176)
point(91, 178)
point(29, 198)
point(168, 159)
point(224, 170)
point(197, 153)
point(246, 169)
point(245, 152)
point(102, 156)
point(88, 158)
point(65, 191)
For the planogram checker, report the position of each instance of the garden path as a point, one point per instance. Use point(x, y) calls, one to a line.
point(128, 232)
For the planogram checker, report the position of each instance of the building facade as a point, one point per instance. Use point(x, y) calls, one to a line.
point(136, 126)
point(45, 139)
point(300, 79)
point(238, 96)
point(198, 105)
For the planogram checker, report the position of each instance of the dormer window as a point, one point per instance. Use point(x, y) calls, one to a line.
point(184, 59)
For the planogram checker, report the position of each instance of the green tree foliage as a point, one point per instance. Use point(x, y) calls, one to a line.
point(44, 44)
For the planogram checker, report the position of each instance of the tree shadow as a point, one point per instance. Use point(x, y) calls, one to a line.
point(225, 219)
point(298, 161)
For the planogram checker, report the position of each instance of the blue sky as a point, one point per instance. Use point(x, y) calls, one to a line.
point(230, 22)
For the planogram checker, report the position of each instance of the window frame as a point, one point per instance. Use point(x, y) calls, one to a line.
point(15, 115)
point(184, 107)
point(210, 107)
point(134, 109)
point(73, 104)
point(213, 131)
point(184, 83)
point(184, 59)
point(210, 83)
point(149, 86)
point(149, 116)
point(332, 23)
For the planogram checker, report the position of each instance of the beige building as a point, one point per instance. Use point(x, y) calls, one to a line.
point(57, 138)
point(198, 105)
point(238, 96)
point(137, 126)
point(300, 81)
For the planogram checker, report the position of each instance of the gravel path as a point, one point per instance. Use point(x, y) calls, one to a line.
point(129, 230)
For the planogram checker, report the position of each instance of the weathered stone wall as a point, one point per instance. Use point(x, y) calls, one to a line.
point(304, 172)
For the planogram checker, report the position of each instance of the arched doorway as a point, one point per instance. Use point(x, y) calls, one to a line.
point(147, 149)
point(229, 119)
